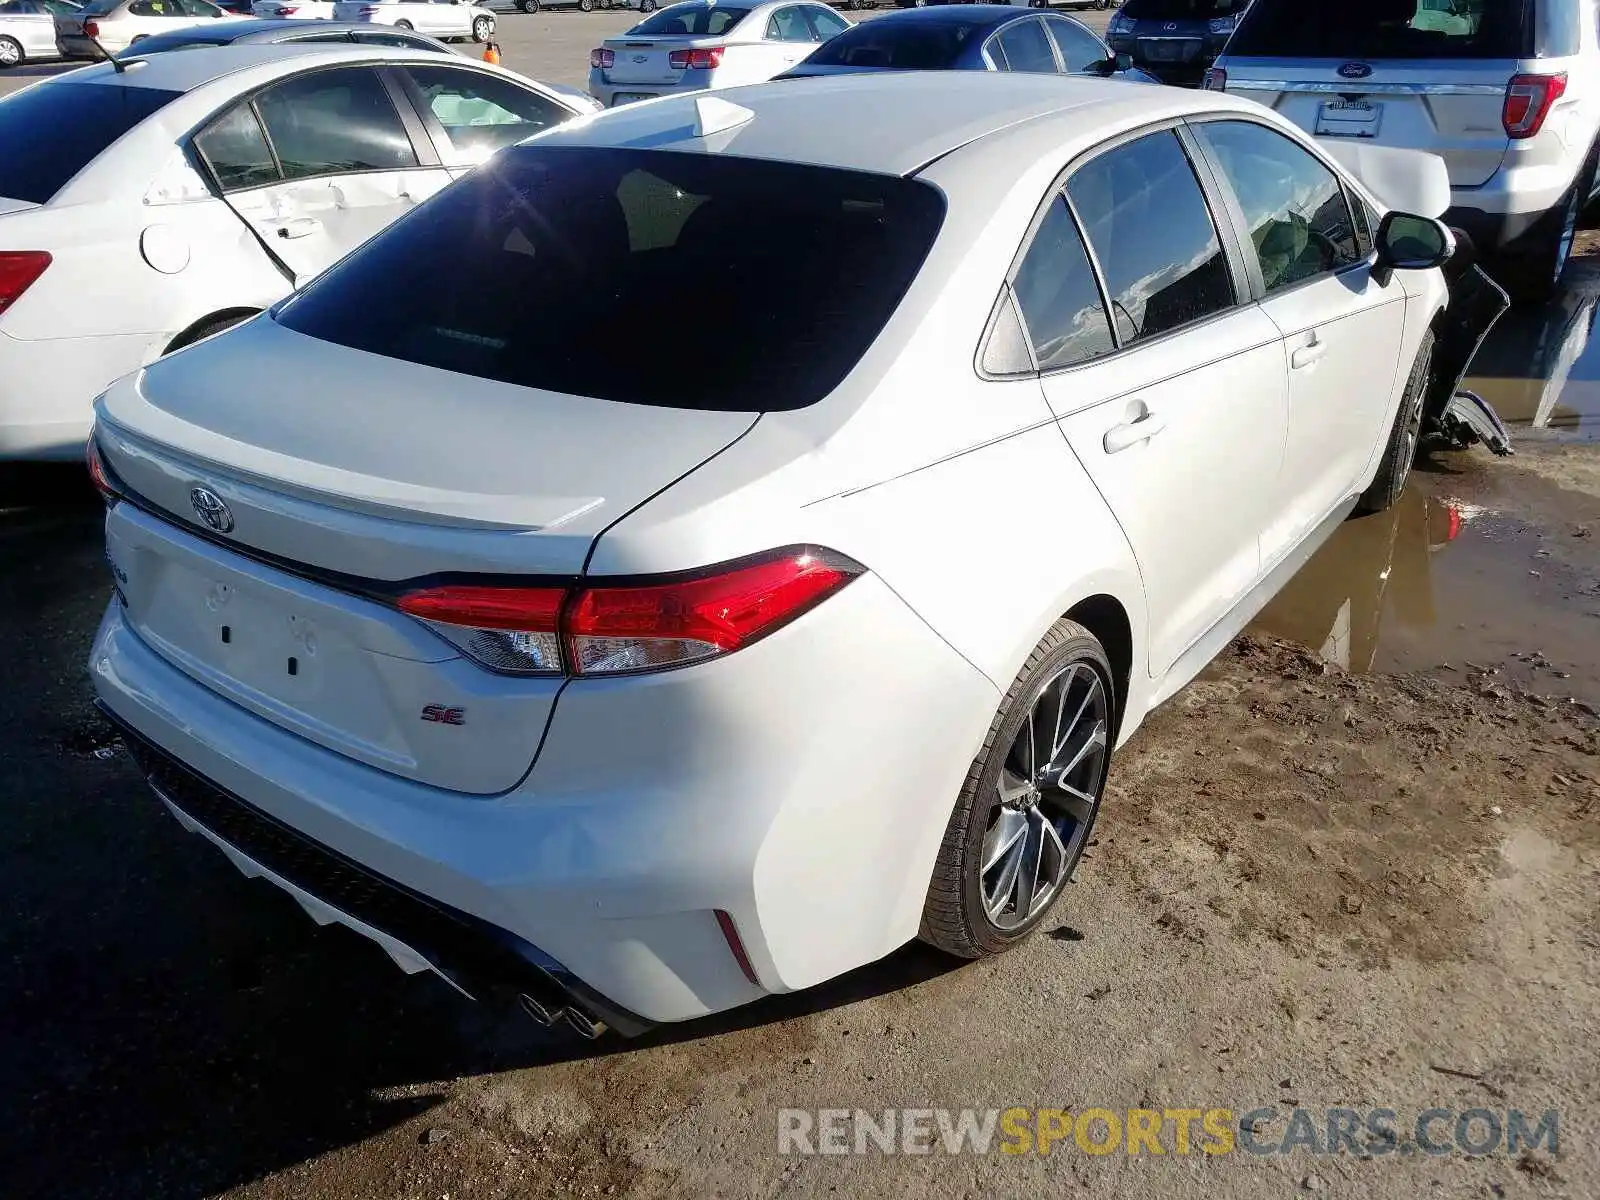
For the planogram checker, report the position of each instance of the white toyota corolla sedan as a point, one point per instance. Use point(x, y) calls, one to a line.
point(718, 542)
point(145, 208)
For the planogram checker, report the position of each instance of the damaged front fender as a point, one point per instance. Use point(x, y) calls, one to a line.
point(1476, 303)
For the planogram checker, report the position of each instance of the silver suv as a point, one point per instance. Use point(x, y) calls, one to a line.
point(1507, 92)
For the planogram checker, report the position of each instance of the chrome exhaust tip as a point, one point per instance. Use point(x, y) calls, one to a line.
point(536, 1009)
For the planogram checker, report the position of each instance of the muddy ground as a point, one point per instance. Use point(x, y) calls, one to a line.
point(1356, 864)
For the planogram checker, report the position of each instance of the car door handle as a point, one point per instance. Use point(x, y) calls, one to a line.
point(1131, 433)
point(1305, 356)
point(298, 227)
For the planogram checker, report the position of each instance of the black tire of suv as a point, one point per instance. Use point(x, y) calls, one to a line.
point(1400, 451)
point(1531, 273)
point(953, 919)
point(528, 6)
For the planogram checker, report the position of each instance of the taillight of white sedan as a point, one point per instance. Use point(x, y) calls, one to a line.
point(708, 44)
point(452, 602)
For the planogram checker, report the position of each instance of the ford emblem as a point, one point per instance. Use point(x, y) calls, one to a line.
point(1354, 70)
point(211, 509)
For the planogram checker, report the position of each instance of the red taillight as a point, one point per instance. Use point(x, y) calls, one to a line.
point(98, 475)
point(1529, 99)
point(602, 58)
point(91, 29)
point(1216, 80)
point(624, 628)
point(287, 12)
point(18, 271)
point(696, 60)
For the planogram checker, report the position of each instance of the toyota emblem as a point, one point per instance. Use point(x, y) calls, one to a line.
point(211, 509)
point(1354, 70)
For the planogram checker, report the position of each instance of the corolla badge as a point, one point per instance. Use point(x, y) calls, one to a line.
point(1354, 70)
point(211, 509)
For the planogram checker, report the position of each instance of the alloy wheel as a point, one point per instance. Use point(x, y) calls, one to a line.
point(1048, 791)
point(10, 53)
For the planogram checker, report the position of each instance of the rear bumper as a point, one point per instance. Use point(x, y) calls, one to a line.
point(801, 787)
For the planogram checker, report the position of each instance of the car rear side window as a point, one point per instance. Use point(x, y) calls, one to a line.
point(335, 122)
point(708, 20)
point(1385, 29)
point(1025, 47)
point(1294, 207)
point(236, 150)
point(628, 274)
point(1153, 235)
point(50, 132)
point(1060, 300)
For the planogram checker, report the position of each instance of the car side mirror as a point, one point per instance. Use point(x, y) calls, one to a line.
point(1124, 61)
point(1407, 242)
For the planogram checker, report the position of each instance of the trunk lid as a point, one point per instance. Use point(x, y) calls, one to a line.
point(648, 60)
point(343, 473)
point(1452, 109)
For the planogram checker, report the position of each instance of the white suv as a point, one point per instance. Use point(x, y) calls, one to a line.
point(1507, 92)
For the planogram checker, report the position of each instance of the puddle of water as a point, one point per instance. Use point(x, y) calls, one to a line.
point(1540, 368)
point(1438, 580)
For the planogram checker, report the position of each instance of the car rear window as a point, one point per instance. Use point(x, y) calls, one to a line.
point(50, 132)
point(644, 276)
point(711, 20)
point(904, 45)
point(1182, 10)
point(1385, 29)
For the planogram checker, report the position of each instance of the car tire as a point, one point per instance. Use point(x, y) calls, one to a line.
point(1008, 819)
point(647, 6)
point(10, 53)
point(482, 29)
point(201, 332)
point(585, 5)
point(528, 6)
point(404, 25)
point(1531, 272)
point(1400, 451)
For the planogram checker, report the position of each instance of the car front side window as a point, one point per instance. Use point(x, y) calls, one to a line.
point(480, 113)
point(1079, 48)
point(1026, 47)
point(1299, 221)
point(1152, 232)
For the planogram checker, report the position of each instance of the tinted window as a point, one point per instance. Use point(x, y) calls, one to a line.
point(1060, 301)
point(197, 8)
point(395, 37)
point(600, 272)
point(1182, 10)
point(826, 22)
point(180, 40)
point(100, 8)
point(788, 25)
point(1078, 46)
point(481, 113)
point(1294, 207)
point(1394, 29)
point(1152, 233)
point(907, 45)
point(50, 132)
point(713, 19)
point(335, 122)
point(236, 151)
point(1026, 47)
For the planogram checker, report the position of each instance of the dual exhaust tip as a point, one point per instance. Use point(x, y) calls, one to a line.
point(549, 1017)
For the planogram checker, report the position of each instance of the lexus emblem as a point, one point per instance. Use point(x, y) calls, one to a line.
point(641, 58)
point(1170, 26)
point(1354, 70)
point(211, 509)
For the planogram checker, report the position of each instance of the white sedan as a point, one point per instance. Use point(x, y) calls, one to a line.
point(157, 211)
point(442, 19)
point(648, 674)
point(103, 27)
point(708, 44)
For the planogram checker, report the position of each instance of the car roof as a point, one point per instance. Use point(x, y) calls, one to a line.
point(892, 122)
point(986, 15)
point(196, 68)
